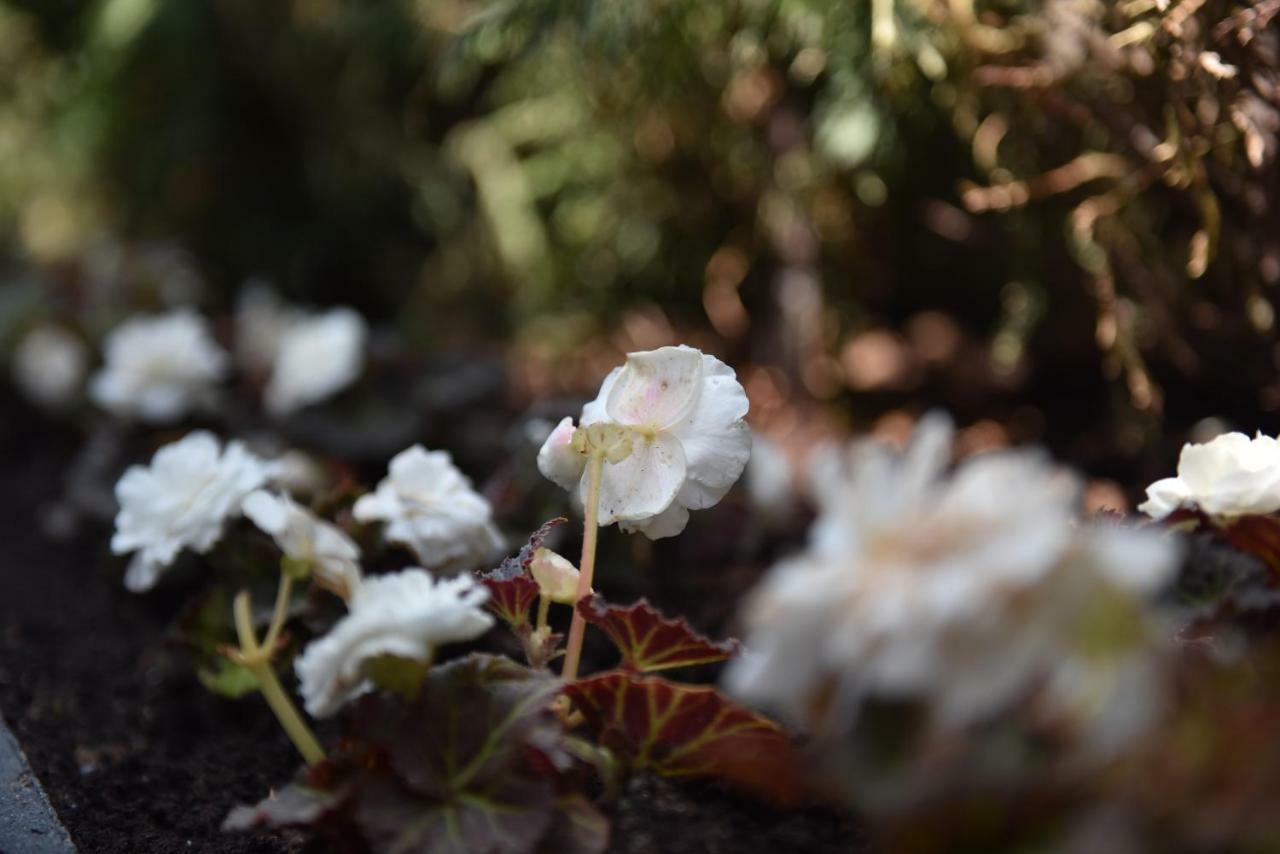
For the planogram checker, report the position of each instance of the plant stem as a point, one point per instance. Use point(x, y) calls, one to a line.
point(258, 661)
point(279, 615)
point(544, 608)
point(586, 567)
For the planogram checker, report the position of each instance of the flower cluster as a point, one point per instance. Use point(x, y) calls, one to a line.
point(1228, 477)
point(967, 592)
point(431, 507)
point(406, 615)
point(158, 368)
point(679, 436)
point(181, 500)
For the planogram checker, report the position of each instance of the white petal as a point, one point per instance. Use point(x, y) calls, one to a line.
point(717, 442)
point(266, 511)
point(558, 461)
point(142, 573)
point(668, 523)
point(645, 483)
point(657, 388)
point(595, 410)
point(1164, 497)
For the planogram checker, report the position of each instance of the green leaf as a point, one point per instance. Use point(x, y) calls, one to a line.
point(227, 679)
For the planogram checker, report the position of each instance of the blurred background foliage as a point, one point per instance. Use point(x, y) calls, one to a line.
point(1057, 218)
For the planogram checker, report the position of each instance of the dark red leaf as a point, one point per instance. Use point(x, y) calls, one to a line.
point(1256, 535)
point(512, 590)
point(688, 731)
point(649, 641)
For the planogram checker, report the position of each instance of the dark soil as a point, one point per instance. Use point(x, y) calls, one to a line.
point(137, 757)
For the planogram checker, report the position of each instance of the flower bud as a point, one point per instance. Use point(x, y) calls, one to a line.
point(556, 576)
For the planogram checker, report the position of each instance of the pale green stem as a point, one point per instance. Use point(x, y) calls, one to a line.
point(258, 661)
point(544, 609)
point(279, 615)
point(586, 568)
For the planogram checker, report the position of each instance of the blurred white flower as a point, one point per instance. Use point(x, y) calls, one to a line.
point(158, 368)
point(318, 356)
point(1231, 475)
point(407, 615)
point(181, 500)
point(966, 592)
point(770, 482)
point(49, 365)
point(331, 555)
point(261, 320)
point(683, 412)
point(428, 505)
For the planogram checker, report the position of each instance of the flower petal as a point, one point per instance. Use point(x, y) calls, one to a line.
point(645, 483)
point(668, 523)
point(657, 388)
point(717, 442)
point(558, 461)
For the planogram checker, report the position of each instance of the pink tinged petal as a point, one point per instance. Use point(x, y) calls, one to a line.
point(657, 388)
point(558, 461)
point(645, 483)
point(595, 410)
point(716, 441)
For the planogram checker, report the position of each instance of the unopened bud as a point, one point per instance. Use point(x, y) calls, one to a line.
point(557, 578)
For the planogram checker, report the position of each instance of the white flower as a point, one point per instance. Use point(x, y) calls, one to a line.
point(430, 506)
point(318, 356)
point(181, 500)
point(407, 615)
point(1231, 475)
point(49, 365)
point(965, 591)
point(330, 554)
point(261, 321)
point(158, 368)
point(683, 412)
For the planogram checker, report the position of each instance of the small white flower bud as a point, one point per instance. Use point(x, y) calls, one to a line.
point(556, 576)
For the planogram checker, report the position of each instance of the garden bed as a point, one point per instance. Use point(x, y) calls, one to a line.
point(135, 754)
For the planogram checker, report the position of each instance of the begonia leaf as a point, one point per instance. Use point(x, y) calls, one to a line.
point(649, 641)
point(228, 679)
point(512, 590)
point(470, 765)
point(1255, 535)
point(688, 731)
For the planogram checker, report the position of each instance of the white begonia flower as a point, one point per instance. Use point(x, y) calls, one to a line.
point(965, 591)
point(158, 368)
point(331, 555)
point(683, 413)
point(1229, 476)
point(430, 506)
point(557, 578)
point(318, 356)
point(181, 500)
point(407, 615)
point(261, 320)
point(49, 365)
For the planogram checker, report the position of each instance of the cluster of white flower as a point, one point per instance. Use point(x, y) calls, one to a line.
point(181, 500)
point(683, 413)
point(405, 615)
point(158, 369)
point(967, 592)
point(1225, 478)
point(309, 356)
point(430, 506)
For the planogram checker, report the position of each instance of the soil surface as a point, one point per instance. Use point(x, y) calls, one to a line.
point(137, 757)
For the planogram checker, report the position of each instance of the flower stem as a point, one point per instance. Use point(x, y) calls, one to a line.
point(279, 615)
point(258, 660)
point(586, 567)
point(544, 609)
